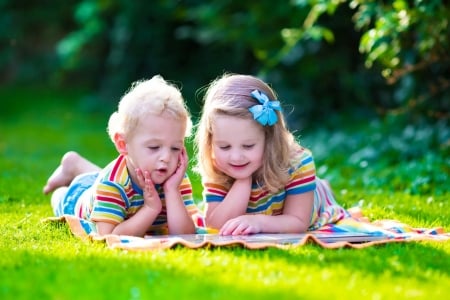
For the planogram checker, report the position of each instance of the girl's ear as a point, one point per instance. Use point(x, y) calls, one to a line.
point(120, 143)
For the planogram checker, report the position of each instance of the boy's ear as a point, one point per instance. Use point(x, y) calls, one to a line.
point(120, 143)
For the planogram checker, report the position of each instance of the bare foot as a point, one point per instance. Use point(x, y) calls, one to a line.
point(57, 179)
point(72, 165)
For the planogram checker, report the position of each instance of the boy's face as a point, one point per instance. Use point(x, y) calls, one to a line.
point(237, 146)
point(155, 146)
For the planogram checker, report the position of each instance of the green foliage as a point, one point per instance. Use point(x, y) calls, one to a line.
point(313, 76)
point(322, 56)
point(411, 42)
point(27, 46)
point(386, 155)
point(421, 27)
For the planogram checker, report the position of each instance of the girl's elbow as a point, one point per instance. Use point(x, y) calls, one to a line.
point(301, 226)
point(214, 222)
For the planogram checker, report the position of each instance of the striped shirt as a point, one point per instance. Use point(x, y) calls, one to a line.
point(302, 179)
point(114, 197)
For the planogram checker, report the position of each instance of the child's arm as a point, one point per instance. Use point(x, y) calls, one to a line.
point(295, 218)
point(140, 222)
point(137, 225)
point(178, 219)
point(233, 205)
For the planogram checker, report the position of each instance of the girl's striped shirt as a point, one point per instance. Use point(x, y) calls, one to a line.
point(302, 179)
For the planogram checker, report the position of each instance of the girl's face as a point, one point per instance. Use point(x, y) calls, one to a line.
point(155, 146)
point(237, 146)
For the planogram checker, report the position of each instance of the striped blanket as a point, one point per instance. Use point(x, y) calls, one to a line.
point(351, 232)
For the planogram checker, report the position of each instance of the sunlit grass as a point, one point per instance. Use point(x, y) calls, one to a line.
point(44, 261)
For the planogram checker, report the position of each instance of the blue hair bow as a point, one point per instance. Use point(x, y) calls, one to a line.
point(264, 113)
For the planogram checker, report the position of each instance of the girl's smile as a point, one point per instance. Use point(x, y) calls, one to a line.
point(239, 166)
point(237, 152)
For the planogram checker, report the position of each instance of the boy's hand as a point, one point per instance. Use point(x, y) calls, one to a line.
point(174, 181)
point(151, 197)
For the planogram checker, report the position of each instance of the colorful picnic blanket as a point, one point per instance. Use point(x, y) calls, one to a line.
point(355, 232)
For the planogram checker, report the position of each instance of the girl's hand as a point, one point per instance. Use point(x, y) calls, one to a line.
point(151, 197)
point(233, 205)
point(175, 179)
point(242, 225)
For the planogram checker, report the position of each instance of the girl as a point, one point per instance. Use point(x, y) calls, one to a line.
point(256, 177)
point(145, 189)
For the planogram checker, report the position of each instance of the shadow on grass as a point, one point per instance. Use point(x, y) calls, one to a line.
point(56, 265)
point(402, 259)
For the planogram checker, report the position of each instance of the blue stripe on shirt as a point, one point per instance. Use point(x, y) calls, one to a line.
point(274, 199)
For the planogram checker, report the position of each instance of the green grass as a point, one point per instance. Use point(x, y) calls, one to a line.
point(44, 261)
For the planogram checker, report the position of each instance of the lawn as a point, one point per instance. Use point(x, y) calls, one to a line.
point(400, 173)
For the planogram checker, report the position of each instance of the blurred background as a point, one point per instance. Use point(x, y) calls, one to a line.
point(335, 65)
point(371, 57)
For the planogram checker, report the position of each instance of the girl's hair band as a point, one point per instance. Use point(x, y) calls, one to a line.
point(264, 113)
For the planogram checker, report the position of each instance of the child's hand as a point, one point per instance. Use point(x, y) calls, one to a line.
point(242, 225)
point(174, 181)
point(151, 197)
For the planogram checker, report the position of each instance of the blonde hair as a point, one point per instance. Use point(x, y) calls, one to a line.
point(230, 95)
point(148, 97)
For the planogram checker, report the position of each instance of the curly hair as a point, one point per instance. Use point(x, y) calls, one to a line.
point(148, 97)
